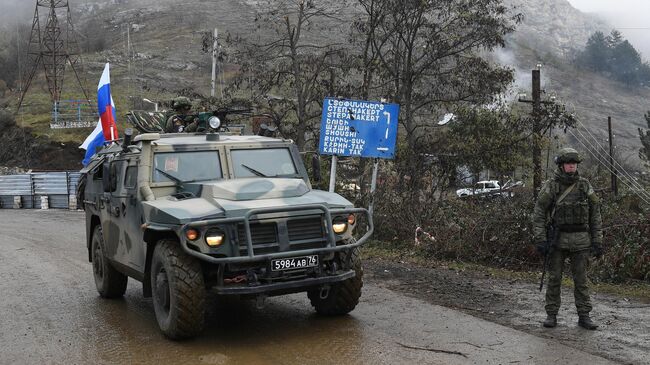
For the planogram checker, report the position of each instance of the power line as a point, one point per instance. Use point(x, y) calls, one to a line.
point(642, 195)
point(604, 154)
point(631, 183)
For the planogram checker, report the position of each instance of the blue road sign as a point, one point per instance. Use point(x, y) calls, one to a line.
point(358, 128)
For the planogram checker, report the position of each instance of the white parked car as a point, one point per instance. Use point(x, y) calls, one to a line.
point(484, 188)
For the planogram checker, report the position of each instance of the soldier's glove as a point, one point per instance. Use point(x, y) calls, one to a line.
point(597, 250)
point(541, 248)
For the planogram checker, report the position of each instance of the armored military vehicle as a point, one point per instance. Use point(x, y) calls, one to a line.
point(188, 213)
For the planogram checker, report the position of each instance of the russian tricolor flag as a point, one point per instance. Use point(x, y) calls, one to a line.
point(106, 129)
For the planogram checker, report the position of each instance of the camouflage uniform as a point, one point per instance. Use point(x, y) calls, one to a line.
point(181, 121)
point(578, 219)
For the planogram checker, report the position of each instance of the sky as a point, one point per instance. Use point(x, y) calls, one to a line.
point(626, 15)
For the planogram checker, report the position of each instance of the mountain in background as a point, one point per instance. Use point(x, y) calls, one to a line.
point(166, 43)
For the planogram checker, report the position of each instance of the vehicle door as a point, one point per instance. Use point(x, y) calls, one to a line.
point(118, 200)
point(490, 187)
point(132, 212)
point(479, 188)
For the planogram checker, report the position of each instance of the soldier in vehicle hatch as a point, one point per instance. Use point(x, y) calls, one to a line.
point(182, 120)
point(569, 203)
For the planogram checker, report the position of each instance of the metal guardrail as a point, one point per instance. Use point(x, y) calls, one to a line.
point(73, 114)
point(27, 189)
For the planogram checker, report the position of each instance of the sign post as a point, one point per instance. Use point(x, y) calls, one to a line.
point(357, 128)
point(333, 173)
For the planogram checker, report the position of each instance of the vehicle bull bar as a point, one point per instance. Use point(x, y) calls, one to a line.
point(251, 257)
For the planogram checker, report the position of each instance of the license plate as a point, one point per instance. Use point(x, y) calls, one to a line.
point(293, 263)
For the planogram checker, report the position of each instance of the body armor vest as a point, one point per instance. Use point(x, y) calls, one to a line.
point(572, 213)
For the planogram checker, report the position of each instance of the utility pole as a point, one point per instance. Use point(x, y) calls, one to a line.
point(611, 157)
point(537, 128)
point(335, 158)
point(128, 55)
point(215, 47)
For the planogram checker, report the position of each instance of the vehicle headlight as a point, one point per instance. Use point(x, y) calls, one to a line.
point(351, 219)
point(214, 122)
point(192, 234)
point(214, 238)
point(339, 225)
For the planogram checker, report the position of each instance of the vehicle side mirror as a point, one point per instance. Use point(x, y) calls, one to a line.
point(315, 168)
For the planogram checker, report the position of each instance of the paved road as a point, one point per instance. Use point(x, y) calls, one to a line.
point(51, 314)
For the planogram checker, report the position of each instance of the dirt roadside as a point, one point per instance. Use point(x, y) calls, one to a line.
point(623, 336)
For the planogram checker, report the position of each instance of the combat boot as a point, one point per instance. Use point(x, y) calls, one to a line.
point(585, 322)
point(551, 321)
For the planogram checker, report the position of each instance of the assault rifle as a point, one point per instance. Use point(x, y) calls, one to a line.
point(552, 235)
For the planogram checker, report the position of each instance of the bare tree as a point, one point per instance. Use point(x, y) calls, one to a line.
point(429, 54)
point(288, 69)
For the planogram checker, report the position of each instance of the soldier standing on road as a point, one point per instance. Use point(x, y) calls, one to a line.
point(182, 120)
point(577, 217)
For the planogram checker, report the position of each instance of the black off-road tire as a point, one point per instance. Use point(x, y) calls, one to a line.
point(110, 283)
point(178, 291)
point(343, 296)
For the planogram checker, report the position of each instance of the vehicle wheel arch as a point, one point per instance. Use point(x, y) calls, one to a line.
point(94, 222)
point(151, 238)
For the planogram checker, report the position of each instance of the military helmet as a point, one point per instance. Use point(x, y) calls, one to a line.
point(567, 155)
point(181, 102)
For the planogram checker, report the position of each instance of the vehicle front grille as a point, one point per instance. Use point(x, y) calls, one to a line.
point(261, 233)
point(305, 229)
point(302, 233)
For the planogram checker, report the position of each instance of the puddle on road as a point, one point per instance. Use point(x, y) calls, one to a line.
point(285, 331)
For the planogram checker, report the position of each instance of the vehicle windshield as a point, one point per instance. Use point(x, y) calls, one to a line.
point(265, 162)
point(187, 166)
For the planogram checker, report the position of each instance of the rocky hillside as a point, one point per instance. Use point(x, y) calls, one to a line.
point(551, 33)
point(167, 57)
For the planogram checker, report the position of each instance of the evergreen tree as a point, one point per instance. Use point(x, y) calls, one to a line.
point(614, 39)
point(616, 57)
point(596, 54)
point(626, 63)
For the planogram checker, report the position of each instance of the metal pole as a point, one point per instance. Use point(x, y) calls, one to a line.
point(537, 150)
point(611, 157)
point(373, 186)
point(548, 152)
point(214, 62)
point(335, 159)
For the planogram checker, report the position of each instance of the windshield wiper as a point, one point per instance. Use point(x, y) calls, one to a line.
point(170, 177)
point(181, 182)
point(257, 173)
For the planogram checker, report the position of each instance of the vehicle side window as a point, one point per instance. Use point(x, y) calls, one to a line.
point(97, 172)
point(490, 186)
point(131, 177)
point(114, 175)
